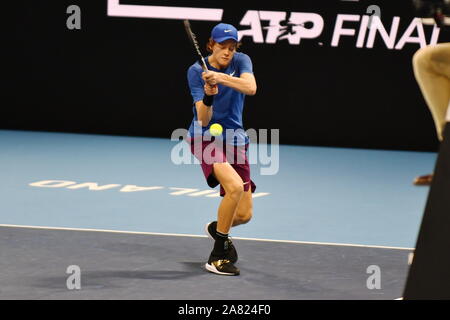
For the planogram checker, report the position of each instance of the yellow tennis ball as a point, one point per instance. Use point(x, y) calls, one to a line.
point(216, 129)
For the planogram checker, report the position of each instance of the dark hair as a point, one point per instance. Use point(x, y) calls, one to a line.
point(210, 44)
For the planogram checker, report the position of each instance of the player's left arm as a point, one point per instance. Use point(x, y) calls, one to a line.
point(246, 83)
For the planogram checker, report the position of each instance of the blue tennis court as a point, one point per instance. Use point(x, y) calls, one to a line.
point(133, 221)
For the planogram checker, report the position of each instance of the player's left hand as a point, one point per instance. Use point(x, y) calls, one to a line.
point(211, 77)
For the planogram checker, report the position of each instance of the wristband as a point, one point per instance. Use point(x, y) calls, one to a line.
point(208, 100)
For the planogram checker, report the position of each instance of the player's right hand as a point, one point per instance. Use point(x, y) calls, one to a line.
point(211, 90)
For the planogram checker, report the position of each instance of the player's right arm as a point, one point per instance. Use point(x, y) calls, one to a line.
point(199, 90)
point(204, 112)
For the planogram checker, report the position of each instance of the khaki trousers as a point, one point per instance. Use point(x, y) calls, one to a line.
point(432, 71)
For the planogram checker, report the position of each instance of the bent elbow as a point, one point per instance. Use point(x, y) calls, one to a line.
point(252, 92)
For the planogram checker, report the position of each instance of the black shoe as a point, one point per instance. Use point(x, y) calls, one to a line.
point(222, 266)
point(210, 230)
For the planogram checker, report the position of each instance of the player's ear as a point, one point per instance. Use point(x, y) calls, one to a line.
point(210, 45)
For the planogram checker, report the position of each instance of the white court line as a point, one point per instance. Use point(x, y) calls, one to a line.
point(203, 236)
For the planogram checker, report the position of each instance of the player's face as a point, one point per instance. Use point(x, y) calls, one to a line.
point(223, 52)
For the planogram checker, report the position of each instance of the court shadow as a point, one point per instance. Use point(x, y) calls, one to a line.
point(112, 278)
point(194, 266)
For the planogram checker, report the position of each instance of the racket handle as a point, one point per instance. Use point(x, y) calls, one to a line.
point(205, 68)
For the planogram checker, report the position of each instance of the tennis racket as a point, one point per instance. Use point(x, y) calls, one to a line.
point(193, 39)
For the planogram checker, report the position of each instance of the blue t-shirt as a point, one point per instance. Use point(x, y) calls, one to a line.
point(228, 103)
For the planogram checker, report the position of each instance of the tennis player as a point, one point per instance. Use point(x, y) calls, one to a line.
point(218, 97)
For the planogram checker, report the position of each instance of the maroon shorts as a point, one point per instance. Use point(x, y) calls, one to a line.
point(215, 151)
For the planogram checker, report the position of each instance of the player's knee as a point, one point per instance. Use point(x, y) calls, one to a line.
point(235, 190)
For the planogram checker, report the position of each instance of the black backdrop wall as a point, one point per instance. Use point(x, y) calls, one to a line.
point(127, 75)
